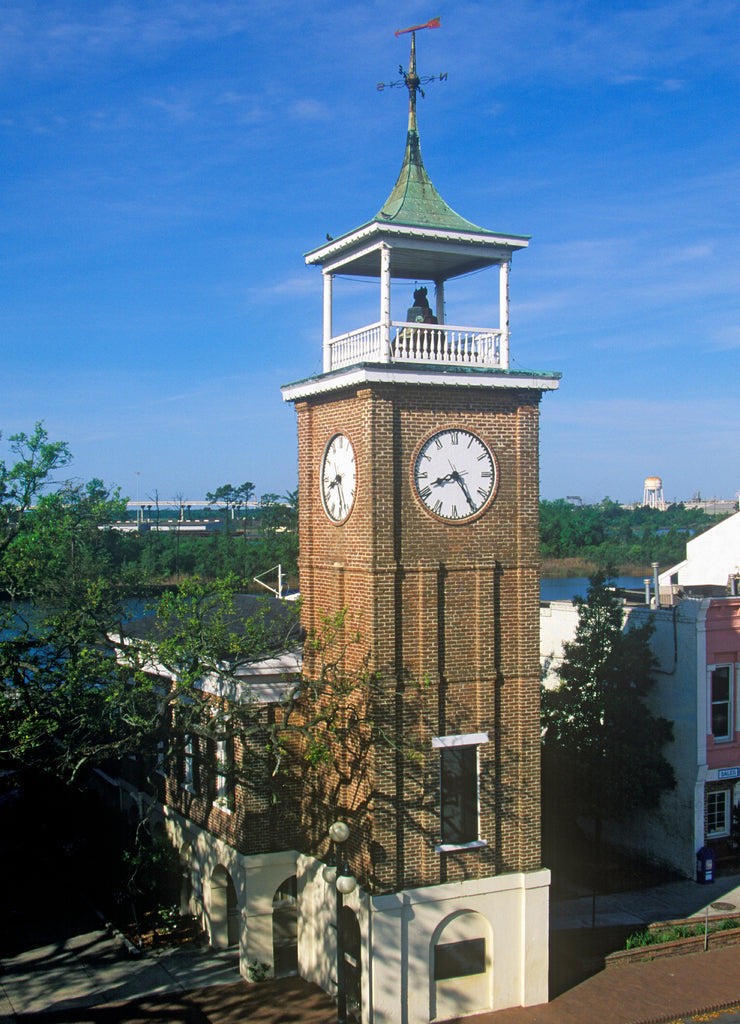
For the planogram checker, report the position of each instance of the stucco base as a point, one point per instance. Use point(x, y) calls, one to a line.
point(401, 931)
point(398, 933)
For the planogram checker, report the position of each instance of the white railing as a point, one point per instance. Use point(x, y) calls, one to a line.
point(420, 343)
point(361, 346)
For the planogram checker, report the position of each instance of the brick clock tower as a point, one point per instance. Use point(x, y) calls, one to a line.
point(418, 487)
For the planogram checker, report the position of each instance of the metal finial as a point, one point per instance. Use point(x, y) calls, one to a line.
point(410, 78)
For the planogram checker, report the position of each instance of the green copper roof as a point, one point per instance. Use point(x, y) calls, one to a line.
point(414, 201)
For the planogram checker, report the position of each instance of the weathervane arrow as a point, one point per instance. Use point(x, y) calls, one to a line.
point(434, 23)
point(410, 79)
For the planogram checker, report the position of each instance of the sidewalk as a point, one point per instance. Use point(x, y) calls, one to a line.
point(93, 968)
point(645, 906)
point(61, 982)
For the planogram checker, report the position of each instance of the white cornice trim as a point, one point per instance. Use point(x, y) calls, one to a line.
point(375, 229)
point(354, 376)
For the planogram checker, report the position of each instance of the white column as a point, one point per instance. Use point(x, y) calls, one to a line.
point(440, 288)
point(385, 303)
point(503, 283)
point(328, 281)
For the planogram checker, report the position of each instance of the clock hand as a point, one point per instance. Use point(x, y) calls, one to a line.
point(457, 477)
point(342, 502)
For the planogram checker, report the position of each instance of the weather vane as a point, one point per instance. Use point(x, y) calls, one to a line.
point(410, 78)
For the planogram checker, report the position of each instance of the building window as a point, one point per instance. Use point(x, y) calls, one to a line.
point(224, 790)
point(459, 788)
point(459, 804)
point(189, 762)
point(160, 767)
point(718, 813)
point(722, 703)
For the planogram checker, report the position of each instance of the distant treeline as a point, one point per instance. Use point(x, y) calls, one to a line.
point(245, 545)
point(609, 535)
point(605, 535)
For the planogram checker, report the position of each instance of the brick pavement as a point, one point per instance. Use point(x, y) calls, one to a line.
point(661, 990)
point(643, 993)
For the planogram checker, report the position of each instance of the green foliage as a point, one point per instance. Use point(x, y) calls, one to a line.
point(64, 699)
point(249, 545)
point(153, 874)
point(607, 534)
point(81, 688)
point(66, 702)
point(602, 747)
point(654, 936)
point(23, 481)
point(258, 970)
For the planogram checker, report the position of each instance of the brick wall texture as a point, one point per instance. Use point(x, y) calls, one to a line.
point(449, 619)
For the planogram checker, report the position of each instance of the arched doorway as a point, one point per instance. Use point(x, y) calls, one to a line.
point(224, 910)
point(461, 966)
point(352, 943)
point(285, 928)
point(186, 879)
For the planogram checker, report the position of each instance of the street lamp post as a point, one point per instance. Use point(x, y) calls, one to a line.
point(337, 874)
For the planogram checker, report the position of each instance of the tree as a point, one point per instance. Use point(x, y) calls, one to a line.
point(23, 481)
point(80, 686)
point(233, 498)
point(207, 630)
point(602, 746)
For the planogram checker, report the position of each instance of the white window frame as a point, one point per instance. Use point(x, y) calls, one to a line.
point(731, 726)
point(188, 763)
point(224, 796)
point(718, 833)
point(471, 739)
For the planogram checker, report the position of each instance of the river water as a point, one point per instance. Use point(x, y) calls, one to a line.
point(565, 588)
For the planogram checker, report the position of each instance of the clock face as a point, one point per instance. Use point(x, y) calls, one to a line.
point(455, 475)
point(338, 478)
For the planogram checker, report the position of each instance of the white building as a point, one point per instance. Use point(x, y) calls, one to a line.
point(712, 560)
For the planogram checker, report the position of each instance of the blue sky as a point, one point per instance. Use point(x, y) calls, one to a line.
point(165, 165)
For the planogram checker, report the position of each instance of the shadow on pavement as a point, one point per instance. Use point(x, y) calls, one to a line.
point(285, 1001)
point(580, 953)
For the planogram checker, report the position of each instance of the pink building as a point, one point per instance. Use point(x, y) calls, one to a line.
point(697, 645)
point(722, 750)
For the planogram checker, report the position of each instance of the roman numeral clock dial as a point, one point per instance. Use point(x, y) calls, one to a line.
point(455, 475)
point(338, 478)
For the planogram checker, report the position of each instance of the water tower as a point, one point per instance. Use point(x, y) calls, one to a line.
point(653, 493)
